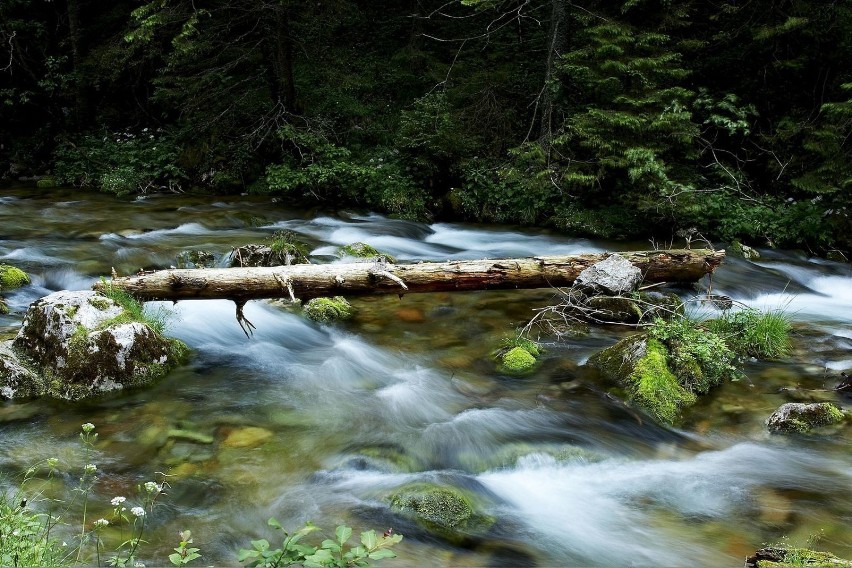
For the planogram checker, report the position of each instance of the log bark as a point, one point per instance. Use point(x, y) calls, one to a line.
point(306, 281)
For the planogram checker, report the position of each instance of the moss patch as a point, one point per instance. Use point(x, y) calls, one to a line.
point(363, 250)
point(11, 277)
point(655, 387)
point(798, 418)
point(4, 307)
point(783, 557)
point(326, 310)
point(517, 361)
point(448, 512)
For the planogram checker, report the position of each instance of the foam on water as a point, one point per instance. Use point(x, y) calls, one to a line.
point(592, 511)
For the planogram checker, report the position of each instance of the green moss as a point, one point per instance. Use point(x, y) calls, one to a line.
point(98, 302)
point(46, 182)
point(778, 557)
point(4, 307)
point(517, 361)
point(11, 277)
point(326, 310)
point(655, 387)
point(363, 250)
point(286, 243)
point(698, 357)
point(448, 512)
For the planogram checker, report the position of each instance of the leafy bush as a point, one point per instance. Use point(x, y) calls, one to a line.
point(317, 169)
point(754, 333)
point(121, 162)
point(333, 553)
point(25, 538)
point(698, 357)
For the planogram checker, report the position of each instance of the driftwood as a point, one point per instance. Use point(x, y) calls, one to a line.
point(306, 281)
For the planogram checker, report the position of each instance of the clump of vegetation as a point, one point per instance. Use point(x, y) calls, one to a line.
point(754, 333)
point(134, 310)
point(26, 538)
point(697, 356)
point(4, 307)
point(785, 556)
point(327, 310)
point(799, 418)
point(363, 250)
point(286, 245)
point(337, 553)
point(12, 277)
point(518, 355)
point(656, 388)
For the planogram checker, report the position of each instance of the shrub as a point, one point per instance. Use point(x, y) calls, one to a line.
point(121, 162)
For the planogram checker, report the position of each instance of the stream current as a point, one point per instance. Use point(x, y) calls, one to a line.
point(330, 419)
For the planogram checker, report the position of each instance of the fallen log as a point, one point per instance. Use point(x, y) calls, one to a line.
point(306, 281)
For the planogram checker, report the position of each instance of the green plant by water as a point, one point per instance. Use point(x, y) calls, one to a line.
point(337, 553)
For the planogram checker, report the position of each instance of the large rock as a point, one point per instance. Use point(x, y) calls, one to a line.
point(640, 365)
point(84, 344)
point(448, 512)
point(785, 557)
point(613, 276)
point(799, 418)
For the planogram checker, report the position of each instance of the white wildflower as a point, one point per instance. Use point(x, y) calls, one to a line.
point(88, 427)
point(101, 523)
point(138, 511)
point(116, 501)
point(152, 487)
point(91, 468)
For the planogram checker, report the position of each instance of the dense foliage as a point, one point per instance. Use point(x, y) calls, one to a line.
point(606, 118)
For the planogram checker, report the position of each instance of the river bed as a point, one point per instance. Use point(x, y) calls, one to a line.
point(411, 384)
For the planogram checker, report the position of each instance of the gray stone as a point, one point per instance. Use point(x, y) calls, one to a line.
point(84, 344)
point(799, 418)
point(17, 380)
point(613, 276)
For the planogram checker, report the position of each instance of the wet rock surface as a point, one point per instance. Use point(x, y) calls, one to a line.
point(82, 344)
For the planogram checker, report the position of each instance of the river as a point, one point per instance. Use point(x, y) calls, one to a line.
point(408, 390)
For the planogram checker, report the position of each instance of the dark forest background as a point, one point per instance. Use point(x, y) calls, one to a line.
point(612, 119)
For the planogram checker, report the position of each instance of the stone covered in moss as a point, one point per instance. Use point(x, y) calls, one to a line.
point(744, 251)
point(195, 259)
point(799, 418)
point(17, 378)
point(11, 277)
point(445, 511)
point(284, 249)
point(327, 310)
point(640, 364)
point(517, 361)
point(365, 251)
point(783, 557)
point(86, 344)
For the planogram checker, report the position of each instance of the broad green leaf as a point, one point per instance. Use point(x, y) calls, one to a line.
point(273, 522)
point(343, 534)
point(330, 545)
point(368, 539)
point(382, 553)
point(261, 544)
point(245, 554)
point(176, 558)
point(321, 557)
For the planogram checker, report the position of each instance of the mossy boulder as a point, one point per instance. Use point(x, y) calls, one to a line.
point(363, 251)
point(12, 277)
point(743, 251)
point(799, 418)
point(448, 512)
point(284, 249)
point(327, 310)
point(17, 378)
point(640, 365)
point(517, 361)
point(788, 557)
point(46, 182)
point(85, 345)
point(195, 259)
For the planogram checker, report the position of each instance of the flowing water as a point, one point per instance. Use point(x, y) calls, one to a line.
point(321, 423)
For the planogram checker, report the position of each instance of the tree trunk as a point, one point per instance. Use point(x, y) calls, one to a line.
point(305, 281)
